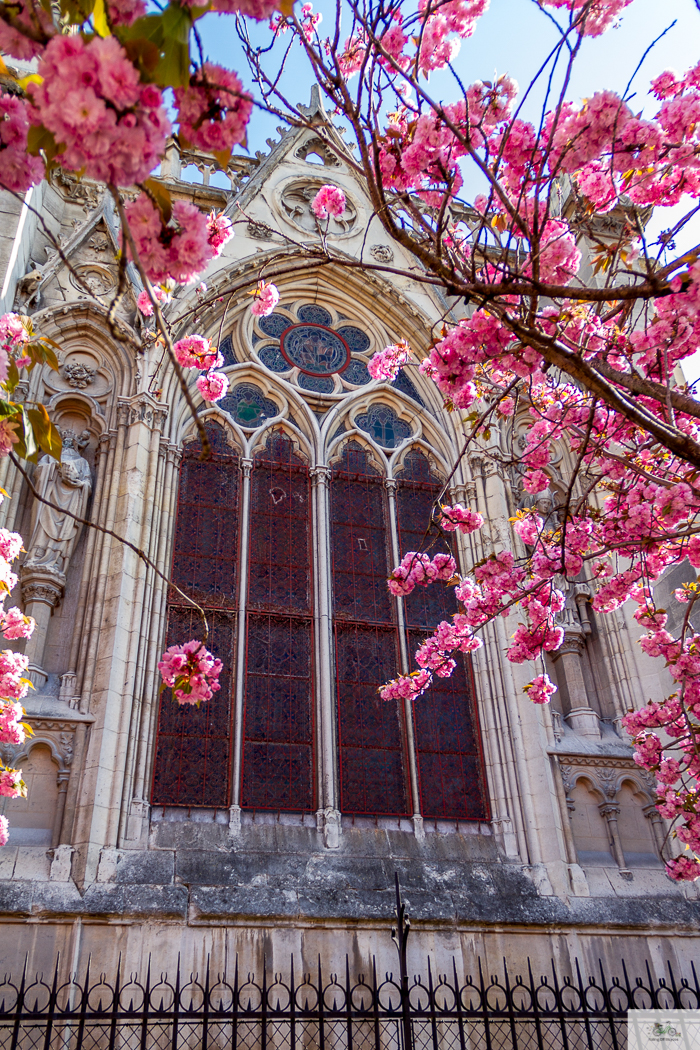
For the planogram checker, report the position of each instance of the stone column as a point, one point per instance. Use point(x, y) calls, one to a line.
point(657, 827)
point(235, 810)
point(610, 811)
point(328, 815)
point(390, 485)
point(581, 717)
point(42, 590)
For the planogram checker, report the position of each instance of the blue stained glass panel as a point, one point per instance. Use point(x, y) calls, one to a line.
point(384, 425)
point(318, 384)
point(227, 352)
point(247, 405)
point(357, 340)
point(272, 359)
point(274, 324)
point(357, 373)
point(315, 350)
point(404, 384)
point(313, 314)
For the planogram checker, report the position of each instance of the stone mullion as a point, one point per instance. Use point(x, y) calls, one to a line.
point(241, 628)
point(610, 811)
point(149, 715)
point(417, 817)
point(328, 801)
point(143, 600)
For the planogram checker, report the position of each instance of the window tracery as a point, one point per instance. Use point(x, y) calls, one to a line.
point(386, 766)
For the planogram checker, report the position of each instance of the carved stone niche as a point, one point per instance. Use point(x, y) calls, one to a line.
point(316, 147)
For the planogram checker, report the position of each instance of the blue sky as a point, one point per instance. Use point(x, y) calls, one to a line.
point(514, 37)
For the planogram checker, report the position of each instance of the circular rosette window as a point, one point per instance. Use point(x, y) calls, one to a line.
point(314, 349)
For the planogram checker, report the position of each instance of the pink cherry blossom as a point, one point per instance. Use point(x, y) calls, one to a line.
point(4, 831)
point(213, 110)
point(191, 671)
point(12, 675)
point(219, 231)
point(11, 727)
point(144, 303)
point(459, 517)
point(540, 689)
point(15, 624)
point(180, 250)
point(11, 784)
point(109, 124)
point(18, 171)
point(266, 299)
point(386, 363)
point(194, 351)
point(328, 201)
point(28, 14)
point(212, 386)
point(125, 12)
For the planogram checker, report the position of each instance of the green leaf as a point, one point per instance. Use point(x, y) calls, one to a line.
point(46, 434)
point(40, 138)
point(26, 446)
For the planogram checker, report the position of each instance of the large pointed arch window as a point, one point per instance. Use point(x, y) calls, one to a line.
point(246, 548)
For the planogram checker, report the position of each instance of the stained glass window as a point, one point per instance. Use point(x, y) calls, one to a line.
point(278, 727)
point(371, 732)
point(274, 325)
point(316, 350)
point(357, 373)
point(248, 406)
point(445, 723)
point(317, 384)
point(193, 745)
point(384, 425)
point(272, 358)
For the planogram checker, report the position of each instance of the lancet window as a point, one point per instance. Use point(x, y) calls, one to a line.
point(255, 570)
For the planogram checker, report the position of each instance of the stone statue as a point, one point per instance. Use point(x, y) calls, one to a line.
point(53, 534)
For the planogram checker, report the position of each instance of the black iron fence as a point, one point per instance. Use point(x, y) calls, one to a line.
point(436, 1012)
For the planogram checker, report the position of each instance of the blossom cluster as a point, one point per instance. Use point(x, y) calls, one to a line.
point(191, 671)
point(194, 351)
point(329, 201)
point(386, 363)
point(213, 110)
point(180, 249)
point(418, 569)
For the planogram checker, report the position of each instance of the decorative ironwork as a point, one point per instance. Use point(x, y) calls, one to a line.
point(384, 425)
point(450, 766)
point(248, 406)
point(314, 349)
point(193, 745)
point(371, 733)
point(278, 729)
point(432, 1012)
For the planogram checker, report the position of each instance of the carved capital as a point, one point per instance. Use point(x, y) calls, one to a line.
point(321, 475)
point(574, 641)
point(42, 585)
point(390, 485)
point(609, 810)
point(246, 467)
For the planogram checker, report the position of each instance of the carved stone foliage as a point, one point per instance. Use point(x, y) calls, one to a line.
point(381, 253)
point(296, 201)
point(99, 279)
point(78, 374)
point(76, 190)
point(606, 773)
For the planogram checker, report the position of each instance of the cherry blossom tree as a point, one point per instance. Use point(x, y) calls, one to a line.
point(588, 360)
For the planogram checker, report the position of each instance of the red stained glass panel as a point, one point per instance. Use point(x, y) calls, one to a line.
point(371, 732)
point(278, 727)
point(193, 745)
point(450, 768)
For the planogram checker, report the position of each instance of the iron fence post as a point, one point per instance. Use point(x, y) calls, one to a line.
point(399, 935)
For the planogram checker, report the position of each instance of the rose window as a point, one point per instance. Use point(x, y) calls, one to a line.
point(314, 348)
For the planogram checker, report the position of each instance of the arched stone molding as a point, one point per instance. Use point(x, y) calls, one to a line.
point(335, 449)
point(59, 738)
point(440, 465)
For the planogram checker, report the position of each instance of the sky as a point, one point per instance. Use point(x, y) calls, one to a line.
point(514, 37)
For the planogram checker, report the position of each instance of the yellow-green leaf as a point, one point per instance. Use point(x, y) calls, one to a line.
point(161, 198)
point(99, 19)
